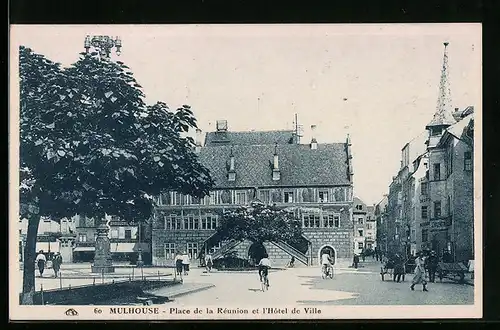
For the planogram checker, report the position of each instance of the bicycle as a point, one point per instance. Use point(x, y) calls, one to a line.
point(327, 272)
point(264, 282)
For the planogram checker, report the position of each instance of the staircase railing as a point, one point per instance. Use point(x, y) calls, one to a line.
point(293, 252)
point(225, 248)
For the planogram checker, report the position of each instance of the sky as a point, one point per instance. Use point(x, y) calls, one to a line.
point(377, 83)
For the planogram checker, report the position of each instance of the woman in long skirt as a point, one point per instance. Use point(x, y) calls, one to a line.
point(419, 277)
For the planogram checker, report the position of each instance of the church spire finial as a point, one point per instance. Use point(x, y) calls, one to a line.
point(444, 109)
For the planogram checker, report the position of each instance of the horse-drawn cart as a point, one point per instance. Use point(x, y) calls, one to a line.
point(453, 271)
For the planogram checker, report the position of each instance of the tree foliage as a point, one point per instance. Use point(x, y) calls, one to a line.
point(89, 144)
point(259, 222)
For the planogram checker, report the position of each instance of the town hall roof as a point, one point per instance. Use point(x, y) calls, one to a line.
point(299, 165)
point(249, 137)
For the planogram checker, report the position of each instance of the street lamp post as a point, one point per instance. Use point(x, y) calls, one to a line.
point(102, 258)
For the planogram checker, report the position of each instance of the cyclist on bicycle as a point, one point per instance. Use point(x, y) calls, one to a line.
point(326, 261)
point(264, 266)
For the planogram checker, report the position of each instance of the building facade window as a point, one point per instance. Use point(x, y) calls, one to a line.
point(209, 222)
point(212, 198)
point(114, 233)
point(311, 221)
point(82, 238)
point(360, 232)
point(360, 221)
point(331, 221)
point(192, 250)
point(178, 223)
point(425, 235)
point(437, 172)
point(288, 195)
point(424, 189)
point(360, 245)
point(170, 250)
point(128, 234)
point(189, 222)
point(323, 196)
point(467, 161)
point(424, 212)
point(368, 226)
point(240, 197)
point(437, 209)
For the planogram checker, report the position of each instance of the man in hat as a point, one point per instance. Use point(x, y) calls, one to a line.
point(40, 261)
point(432, 263)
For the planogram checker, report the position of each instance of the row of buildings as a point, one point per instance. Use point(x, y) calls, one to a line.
point(430, 203)
point(314, 181)
point(75, 239)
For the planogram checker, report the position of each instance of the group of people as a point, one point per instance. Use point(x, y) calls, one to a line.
point(41, 262)
point(182, 261)
point(423, 264)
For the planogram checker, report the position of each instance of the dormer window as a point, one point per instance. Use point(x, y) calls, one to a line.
point(231, 175)
point(276, 170)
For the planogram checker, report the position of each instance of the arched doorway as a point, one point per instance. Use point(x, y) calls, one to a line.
point(329, 250)
point(256, 252)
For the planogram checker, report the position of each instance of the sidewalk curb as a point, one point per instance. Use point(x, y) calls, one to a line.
point(183, 293)
point(193, 291)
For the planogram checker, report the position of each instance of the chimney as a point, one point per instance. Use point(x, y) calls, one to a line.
point(198, 140)
point(314, 142)
point(221, 125)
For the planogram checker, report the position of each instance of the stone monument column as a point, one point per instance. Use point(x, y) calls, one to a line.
point(102, 257)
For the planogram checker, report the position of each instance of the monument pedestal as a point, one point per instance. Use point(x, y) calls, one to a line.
point(102, 258)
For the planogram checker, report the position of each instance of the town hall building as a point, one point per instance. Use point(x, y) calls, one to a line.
point(313, 181)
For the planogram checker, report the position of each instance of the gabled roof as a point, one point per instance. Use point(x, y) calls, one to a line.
point(457, 130)
point(250, 138)
point(299, 165)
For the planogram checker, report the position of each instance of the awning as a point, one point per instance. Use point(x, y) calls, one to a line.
point(122, 247)
point(128, 247)
point(47, 246)
point(84, 249)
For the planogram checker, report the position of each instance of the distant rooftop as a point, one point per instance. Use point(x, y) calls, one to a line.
point(250, 137)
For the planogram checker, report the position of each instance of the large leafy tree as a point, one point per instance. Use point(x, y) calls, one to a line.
point(259, 223)
point(91, 146)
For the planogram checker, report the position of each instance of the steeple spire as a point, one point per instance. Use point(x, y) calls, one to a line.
point(444, 109)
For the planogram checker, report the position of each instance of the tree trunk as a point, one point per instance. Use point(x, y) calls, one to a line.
point(29, 261)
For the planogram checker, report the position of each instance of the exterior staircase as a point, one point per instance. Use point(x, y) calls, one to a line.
point(299, 256)
point(225, 249)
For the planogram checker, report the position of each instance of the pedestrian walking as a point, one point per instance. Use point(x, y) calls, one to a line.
point(56, 263)
point(447, 257)
point(185, 263)
point(208, 262)
point(363, 255)
point(419, 277)
point(356, 261)
point(40, 261)
point(399, 269)
point(178, 264)
point(432, 263)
